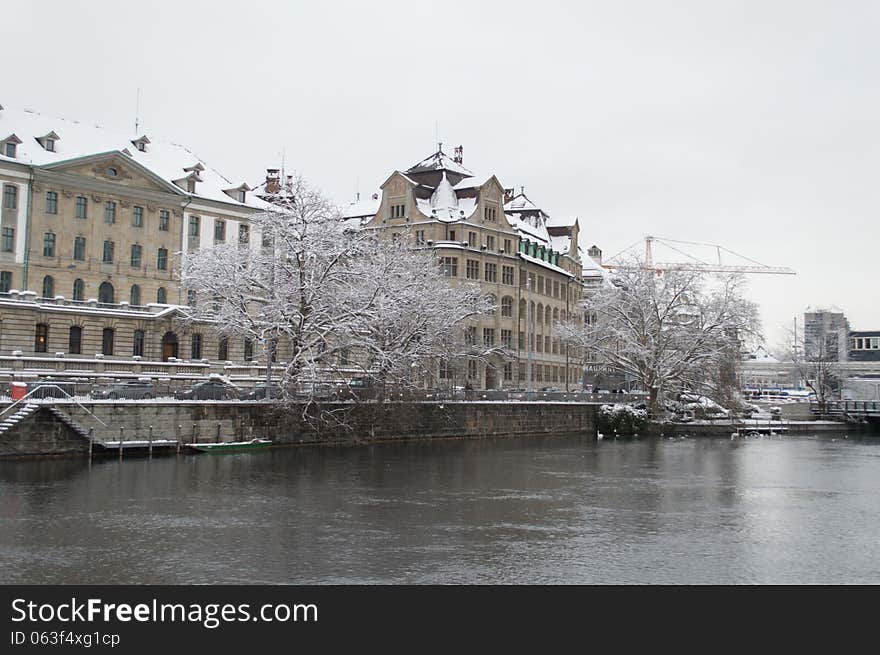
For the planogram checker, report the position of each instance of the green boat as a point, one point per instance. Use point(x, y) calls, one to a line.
point(229, 446)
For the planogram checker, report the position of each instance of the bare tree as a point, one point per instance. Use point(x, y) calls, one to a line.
point(816, 362)
point(678, 329)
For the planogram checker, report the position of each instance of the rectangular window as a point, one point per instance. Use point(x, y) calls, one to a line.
point(248, 350)
point(193, 226)
point(452, 235)
point(508, 246)
point(244, 233)
point(10, 197)
point(51, 202)
point(539, 344)
point(9, 149)
point(473, 269)
point(110, 212)
point(108, 252)
point(107, 341)
point(219, 230)
point(472, 240)
point(136, 256)
point(555, 289)
point(162, 259)
point(540, 288)
point(507, 275)
point(137, 216)
point(472, 370)
point(163, 220)
point(546, 344)
point(49, 244)
point(420, 237)
point(522, 278)
point(8, 239)
point(5, 281)
point(507, 338)
point(137, 346)
point(449, 266)
point(508, 371)
point(41, 337)
point(490, 243)
point(74, 340)
point(491, 272)
point(79, 248)
point(470, 336)
point(488, 337)
point(196, 346)
point(223, 349)
point(521, 344)
point(82, 207)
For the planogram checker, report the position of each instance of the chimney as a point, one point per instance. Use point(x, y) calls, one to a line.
point(595, 254)
point(458, 158)
point(273, 181)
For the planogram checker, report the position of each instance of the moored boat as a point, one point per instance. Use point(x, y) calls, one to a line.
point(227, 446)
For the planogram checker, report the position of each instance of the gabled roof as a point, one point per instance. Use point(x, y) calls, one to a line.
point(79, 140)
point(520, 203)
point(439, 161)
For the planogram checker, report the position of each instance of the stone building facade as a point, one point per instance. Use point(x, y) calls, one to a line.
point(95, 224)
point(486, 234)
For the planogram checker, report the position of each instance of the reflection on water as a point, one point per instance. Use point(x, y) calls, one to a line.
point(558, 510)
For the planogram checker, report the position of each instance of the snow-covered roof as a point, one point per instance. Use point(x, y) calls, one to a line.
point(472, 182)
point(541, 262)
point(74, 140)
point(527, 229)
point(439, 161)
point(362, 208)
point(761, 354)
point(561, 222)
point(560, 244)
point(521, 203)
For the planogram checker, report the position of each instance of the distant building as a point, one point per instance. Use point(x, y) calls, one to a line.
point(864, 346)
point(826, 336)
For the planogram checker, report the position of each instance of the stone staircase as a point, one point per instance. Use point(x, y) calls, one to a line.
point(16, 418)
point(69, 422)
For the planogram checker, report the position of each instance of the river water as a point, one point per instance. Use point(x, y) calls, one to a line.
point(551, 510)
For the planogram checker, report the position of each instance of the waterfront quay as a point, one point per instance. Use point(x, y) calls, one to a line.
point(56, 427)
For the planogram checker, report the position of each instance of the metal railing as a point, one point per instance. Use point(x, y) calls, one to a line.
point(41, 388)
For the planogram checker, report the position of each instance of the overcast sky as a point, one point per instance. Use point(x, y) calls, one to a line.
point(749, 124)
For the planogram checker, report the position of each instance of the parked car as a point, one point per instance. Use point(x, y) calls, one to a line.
point(209, 390)
point(258, 392)
point(358, 388)
point(314, 390)
point(136, 389)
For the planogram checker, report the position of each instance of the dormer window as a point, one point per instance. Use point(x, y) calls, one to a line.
point(48, 141)
point(241, 195)
point(191, 186)
point(141, 143)
point(10, 146)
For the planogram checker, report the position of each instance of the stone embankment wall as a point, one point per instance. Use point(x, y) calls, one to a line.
point(330, 423)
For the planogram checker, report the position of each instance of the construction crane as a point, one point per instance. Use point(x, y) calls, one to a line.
point(695, 264)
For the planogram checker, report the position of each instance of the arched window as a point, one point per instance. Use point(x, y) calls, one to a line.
point(138, 342)
point(74, 340)
point(493, 302)
point(539, 317)
point(507, 306)
point(191, 298)
point(522, 309)
point(105, 292)
point(161, 296)
point(223, 349)
point(555, 314)
point(48, 287)
point(41, 337)
point(107, 341)
point(79, 289)
point(248, 350)
point(548, 316)
point(196, 349)
point(531, 317)
point(135, 294)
